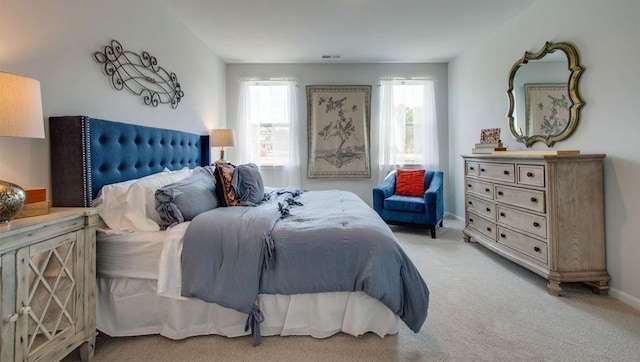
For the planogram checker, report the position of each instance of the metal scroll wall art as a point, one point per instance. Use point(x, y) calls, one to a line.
point(140, 74)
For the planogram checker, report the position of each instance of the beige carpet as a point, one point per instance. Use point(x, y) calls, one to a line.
point(482, 308)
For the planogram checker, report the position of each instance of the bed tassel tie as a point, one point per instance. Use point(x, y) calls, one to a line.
point(290, 201)
point(270, 248)
point(289, 190)
point(284, 211)
point(253, 321)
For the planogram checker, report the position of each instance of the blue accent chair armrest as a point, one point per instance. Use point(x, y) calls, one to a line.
point(425, 211)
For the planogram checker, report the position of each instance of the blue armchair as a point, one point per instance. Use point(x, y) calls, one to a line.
point(410, 210)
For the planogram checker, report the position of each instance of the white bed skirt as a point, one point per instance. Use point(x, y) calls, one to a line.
point(131, 307)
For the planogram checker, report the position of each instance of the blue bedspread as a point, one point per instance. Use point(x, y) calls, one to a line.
point(319, 241)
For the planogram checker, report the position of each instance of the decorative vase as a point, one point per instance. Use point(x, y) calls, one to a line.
point(12, 199)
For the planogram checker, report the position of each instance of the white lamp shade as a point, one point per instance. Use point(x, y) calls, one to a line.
point(223, 137)
point(20, 107)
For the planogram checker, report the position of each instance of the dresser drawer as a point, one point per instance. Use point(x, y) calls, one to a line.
point(531, 247)
point(472, 168)
point(530, 223)
point(480, 188)
point(528, 199)
point(484, 226)
point(482, 207)
point(498, 171)
point(531, 175)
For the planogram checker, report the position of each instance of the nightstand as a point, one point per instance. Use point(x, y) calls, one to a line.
point(48, 285)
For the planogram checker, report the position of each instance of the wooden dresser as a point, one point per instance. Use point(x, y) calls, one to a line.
point(545, 213)
point(47, 286)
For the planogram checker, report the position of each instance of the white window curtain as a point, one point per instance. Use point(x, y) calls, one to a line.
point(263, 102)
point(395, 97)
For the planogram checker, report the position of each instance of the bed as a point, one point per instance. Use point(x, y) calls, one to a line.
point(139, 272)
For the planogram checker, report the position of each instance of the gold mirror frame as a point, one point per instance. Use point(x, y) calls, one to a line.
point(572, 86)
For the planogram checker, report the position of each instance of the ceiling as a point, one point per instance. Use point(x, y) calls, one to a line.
point(356, 31)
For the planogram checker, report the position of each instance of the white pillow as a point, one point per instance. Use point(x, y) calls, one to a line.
point(140, 203)
point(110, 202)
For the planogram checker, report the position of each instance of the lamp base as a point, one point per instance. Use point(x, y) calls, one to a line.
point(221, 160)
point(12, 199)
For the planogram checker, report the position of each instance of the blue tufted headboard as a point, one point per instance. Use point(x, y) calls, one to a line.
point(88, 153)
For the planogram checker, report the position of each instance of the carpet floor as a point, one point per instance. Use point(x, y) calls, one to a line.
point(482, 308)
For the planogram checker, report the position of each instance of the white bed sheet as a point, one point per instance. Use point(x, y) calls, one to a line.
point(129, 255)
point(139, 293)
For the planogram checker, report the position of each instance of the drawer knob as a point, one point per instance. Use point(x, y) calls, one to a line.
point(503, 236)
point(500, 193)
point(470, 202)
point(482, 170)
point(503, 214)
point(487, 190)
point(536, 224)
point(536, 249)
point(533, 199)
point(489, 229)
point(11, 318)
point(506, 172)
point(488, 209)
point(469, 185)
point(472, 168)
point(529, 174)
point(24, 310)
point(470, 220)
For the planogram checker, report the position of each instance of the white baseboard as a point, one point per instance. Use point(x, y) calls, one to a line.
point(454, 216)
point(625, 298)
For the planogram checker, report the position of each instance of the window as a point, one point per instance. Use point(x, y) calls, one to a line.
point(268, 121)
point(408, 100)
point(268, 126)
point(408, 126)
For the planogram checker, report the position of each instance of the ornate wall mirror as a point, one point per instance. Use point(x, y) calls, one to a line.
point(544, 102)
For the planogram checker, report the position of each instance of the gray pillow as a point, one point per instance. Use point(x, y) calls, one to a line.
point(185, 199)
point(248, 184)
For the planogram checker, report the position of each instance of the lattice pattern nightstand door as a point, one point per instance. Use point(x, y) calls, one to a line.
point(52, 293)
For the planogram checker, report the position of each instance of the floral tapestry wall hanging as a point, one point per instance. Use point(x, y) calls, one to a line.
point(338, 129)
point(547, 108)
point(140, 74)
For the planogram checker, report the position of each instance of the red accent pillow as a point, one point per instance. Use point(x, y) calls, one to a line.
point(226, 193)
point(410, 182)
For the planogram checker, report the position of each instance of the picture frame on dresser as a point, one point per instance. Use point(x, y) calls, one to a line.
point(543, 212)
point(490, 136)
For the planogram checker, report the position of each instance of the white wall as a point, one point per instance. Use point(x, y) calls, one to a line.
point(53, 42)
point(342, 74)
point(606, 35)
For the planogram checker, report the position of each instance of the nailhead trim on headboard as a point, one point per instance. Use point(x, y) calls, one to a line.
point(86, 161)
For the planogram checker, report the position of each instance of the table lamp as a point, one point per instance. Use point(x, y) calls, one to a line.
point(222, 138)
point(20, 116)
